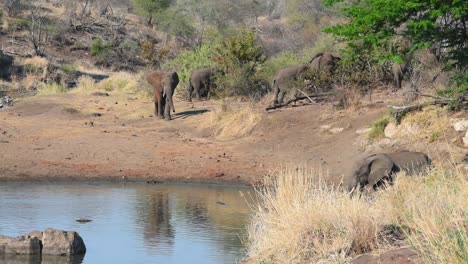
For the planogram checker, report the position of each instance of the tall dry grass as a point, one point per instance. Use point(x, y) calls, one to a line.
point(300, 219)
point(232, 119)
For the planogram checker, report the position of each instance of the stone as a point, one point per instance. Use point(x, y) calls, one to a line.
point(6, 101)
point(336, 130)
point(363, 131)
point(460, 125)
point(465, 140)
point(396, 256)
point(59, 242)
point(391, 130)
point(20, 245)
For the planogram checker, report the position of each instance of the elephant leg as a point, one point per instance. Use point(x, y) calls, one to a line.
point(281, 96)
point(161, 105)
point(155, 108)
point(167, 110)
point(276, 92)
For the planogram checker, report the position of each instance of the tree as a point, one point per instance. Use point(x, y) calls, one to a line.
point(149, 8)
point(373, 24)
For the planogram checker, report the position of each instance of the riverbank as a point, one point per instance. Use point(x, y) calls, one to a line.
point(85, 137)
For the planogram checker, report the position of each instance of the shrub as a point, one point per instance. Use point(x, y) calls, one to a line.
point(69, 68)
point(240, 57)
point(100, 49)
point(147, 51)
point(50, 89)
point(378, 128)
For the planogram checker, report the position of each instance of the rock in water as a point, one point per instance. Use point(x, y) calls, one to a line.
point(58, 242)
point(20, 245)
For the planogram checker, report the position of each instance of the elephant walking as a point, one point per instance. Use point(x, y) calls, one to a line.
point(320, 62)
point(200, 82)
point(372, 171)
point(164, 84)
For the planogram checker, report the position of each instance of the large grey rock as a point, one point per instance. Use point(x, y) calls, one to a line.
point(60, 243)
point(20, 245)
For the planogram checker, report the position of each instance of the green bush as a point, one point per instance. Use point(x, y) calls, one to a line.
point(240, 57)
point(100, 49)
point(69, 68)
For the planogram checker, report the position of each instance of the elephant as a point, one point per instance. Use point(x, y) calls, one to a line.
point(200, 82)
point(398, 71)
point(164, 84)
point(320, 62)
point(373, 171)
point(324, 62)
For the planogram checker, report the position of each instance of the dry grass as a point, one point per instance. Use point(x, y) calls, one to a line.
point(431, 123)
point(232, 120)
point(50, 89)
point(435, 211)
point(302, 220)
point(121, 82)
point(39, 62)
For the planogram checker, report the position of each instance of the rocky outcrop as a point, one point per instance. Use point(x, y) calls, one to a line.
point(50, 242)
point(465, 140)
point(460, 125)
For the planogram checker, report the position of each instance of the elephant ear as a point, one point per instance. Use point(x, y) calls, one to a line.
point(380, 167)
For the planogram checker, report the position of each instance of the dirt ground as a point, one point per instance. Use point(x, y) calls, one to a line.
point(92, 138)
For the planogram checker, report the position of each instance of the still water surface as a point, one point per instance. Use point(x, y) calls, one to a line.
point(133, 223)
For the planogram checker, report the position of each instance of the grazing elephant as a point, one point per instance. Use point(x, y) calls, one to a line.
point(398, 71)
point(372, 171)
point(200, 82)
point(324, 62)
point(321, 62)
point(164, 84)
point(283, 77)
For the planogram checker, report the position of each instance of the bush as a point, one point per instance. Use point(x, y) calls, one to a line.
point(240, 57)
point(69, 68)
point(101, 49)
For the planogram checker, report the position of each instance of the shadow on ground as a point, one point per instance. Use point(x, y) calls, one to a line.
point(190, 113)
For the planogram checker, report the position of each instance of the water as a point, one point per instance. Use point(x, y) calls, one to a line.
point(133, 223)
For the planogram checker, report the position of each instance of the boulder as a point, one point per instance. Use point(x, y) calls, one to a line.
point(391, 130)
point(60, 243)
point(6, 101)
point(460, 125)
point(20, 245)
point(396, 256)
point(465, 139)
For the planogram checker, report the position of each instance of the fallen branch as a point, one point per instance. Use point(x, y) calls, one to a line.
point(310, 99)
point(317, 96)
point(399, 112)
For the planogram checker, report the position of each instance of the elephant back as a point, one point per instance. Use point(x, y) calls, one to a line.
point(410, 162)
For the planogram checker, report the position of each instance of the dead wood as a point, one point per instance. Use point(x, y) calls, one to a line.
point(319, 96)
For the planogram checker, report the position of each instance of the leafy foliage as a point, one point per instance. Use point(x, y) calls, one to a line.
point(100, 49)
point(373, 24)
point(150, 8)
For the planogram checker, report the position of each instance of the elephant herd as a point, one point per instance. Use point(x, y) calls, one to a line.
point(200, 81)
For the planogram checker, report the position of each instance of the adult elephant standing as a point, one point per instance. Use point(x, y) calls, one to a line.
point(284, 77)
point(200, 82)
point(372, 171)
point(164, 84)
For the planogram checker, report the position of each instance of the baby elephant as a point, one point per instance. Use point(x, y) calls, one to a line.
point(372, 171)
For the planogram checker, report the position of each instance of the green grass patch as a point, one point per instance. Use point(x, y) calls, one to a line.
point(378, 128)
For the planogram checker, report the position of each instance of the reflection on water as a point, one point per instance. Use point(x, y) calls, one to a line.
point(132, 223)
